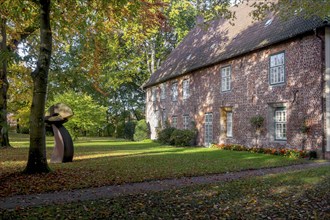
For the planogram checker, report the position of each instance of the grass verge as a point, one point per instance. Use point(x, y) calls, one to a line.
point(294, 195)
point(102, 161)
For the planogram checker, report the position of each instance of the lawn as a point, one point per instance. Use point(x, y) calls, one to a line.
point(294, 195)
point(104, 161)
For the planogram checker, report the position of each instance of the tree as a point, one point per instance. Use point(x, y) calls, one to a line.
point(9, 43)
point(37, 161)
point(112, 67)
point(89, 116)
point(20, 95)
point(4, 140)
point(100, 28)
point(287, 8)
point(98, 18)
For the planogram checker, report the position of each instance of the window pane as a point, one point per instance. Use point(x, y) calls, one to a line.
point(208, 129)
point(225, 78)
point(174, 91)
point(280, 124)
point(185, 92)
point(276, 71)
point(229, 124)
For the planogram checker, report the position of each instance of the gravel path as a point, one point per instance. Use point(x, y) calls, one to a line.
point(143, 187)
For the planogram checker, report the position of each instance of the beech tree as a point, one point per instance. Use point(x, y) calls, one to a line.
point(70, 20)
point(287, 8)
point(89, 117)
point(37, 160)
point(4, 140)
point(11, 37)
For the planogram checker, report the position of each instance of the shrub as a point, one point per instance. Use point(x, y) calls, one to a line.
point(257, 121)
point(24, 130)
point(182, 137)
point(312, 154)
point(292, 153)
point(129, 130)
point(164, 136)
point(142, 131)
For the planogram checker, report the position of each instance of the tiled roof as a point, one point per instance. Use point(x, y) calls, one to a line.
point(219, 40)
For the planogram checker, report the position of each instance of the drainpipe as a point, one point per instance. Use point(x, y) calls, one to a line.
point(327, 87)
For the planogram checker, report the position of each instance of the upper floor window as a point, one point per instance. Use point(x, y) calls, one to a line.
point(225, 78)
point(280, 124)
point(153, 94)
point(185, 91)
point(174, 91)
point(174, 121)
point(276, 69)
point(163, 91)
point(186, 121)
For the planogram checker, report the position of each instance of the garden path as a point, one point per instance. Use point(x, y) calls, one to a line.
point(113, 191)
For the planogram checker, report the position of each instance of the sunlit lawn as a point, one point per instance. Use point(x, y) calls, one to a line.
point(104, 161)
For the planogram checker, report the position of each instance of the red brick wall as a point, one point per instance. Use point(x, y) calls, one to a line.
point(252, 95)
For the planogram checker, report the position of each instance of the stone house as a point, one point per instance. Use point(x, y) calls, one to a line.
point(222, 75)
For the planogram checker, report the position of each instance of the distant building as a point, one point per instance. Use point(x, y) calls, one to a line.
point(221, 76)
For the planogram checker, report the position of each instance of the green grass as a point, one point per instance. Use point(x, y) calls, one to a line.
point(294, 195)
point(104, 161)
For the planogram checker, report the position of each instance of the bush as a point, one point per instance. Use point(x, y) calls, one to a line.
point(291, 153)
point(257, 121)
point(24, 130)
point(142, 131)
point(183, 137)
point(164, 136)
point(129, 130)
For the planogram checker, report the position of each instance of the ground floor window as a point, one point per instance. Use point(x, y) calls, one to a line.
point(229, 124)
point(186, 122)
point(226, 123)
point(164, 118)
point(280, 124)
point(174, 122)
point(208, 129)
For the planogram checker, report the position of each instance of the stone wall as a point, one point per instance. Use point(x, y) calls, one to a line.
point(251, 95)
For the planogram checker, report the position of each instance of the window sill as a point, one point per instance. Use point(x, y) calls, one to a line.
point(277, 84)
point(280, 141)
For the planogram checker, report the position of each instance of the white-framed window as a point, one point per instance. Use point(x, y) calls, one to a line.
point(175, 91)
point(276, 69)
point(153, 94)
point(164, 118)
point(280, 124)
point(174, 122)
point(163, 91)
point(185, 90)
point(225, 78)
point(186, 121)
point(208, 129)
point(229, 124)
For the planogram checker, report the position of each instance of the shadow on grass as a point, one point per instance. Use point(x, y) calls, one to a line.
point(162, 163)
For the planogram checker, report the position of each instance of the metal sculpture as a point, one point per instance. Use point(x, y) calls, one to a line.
point(56, 116)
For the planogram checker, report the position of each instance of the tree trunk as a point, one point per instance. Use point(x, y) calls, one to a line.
point(4, 140)
point(37, 162)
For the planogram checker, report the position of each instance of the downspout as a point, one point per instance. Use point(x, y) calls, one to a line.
point(327, 89)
